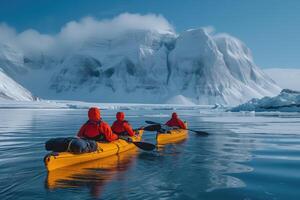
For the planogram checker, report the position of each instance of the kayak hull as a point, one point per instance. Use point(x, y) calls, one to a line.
point(97, 172)
point(105, 149)
point(172, 136)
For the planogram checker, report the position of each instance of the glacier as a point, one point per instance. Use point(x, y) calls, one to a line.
point(196, 66)
point(287, 101)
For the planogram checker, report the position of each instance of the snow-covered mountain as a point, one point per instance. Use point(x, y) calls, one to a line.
point(146, 66)
point(216, 69)
point(11, 90)
point(124, 69)
point(11, 60)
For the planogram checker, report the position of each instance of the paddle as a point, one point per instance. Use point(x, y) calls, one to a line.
point(142, 145)
point(198, 132)
point(154, 127)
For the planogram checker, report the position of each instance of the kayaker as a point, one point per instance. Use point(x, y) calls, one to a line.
point(121, 126)
point(175, 121)
point(95, 128)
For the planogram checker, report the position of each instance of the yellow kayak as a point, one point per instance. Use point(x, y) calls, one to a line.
point(171, 136)
point(96, 172)
point(58, 160)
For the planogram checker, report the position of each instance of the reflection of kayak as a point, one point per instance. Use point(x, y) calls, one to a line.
point(92, 174)
point(63, 159)
point(171, 136)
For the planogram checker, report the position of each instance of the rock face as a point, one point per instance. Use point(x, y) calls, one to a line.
point(150, 67)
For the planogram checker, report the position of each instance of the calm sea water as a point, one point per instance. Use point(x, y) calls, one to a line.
point(246, 156)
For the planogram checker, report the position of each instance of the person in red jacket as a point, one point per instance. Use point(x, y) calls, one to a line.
point(175, 121)
point(121, 126)
point(95, 128)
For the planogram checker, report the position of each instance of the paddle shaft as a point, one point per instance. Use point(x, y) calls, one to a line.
point(198, 132)
point(142, 145)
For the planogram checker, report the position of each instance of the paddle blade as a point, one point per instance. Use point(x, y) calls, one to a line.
point(151, 122)
point(154, 127)
point(203, 133)
point(145, 146)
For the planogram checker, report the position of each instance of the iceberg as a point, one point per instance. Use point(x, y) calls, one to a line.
point(287, 101)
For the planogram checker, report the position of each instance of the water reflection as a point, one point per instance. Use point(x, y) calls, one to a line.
point(14, 120)
point(162, 147)
point(93, 175)
point(219, 157)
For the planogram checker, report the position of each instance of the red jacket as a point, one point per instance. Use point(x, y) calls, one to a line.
point(175, 121)
point(95, 128)
point(122, 126)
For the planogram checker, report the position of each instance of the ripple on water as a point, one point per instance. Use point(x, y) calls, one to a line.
point(244, 157)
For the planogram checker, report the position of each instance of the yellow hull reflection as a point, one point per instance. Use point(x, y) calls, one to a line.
point(93, 175)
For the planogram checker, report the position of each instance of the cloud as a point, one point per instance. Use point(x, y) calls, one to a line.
point(209, 29)
point(33, 40)
point(7, 34)
point(74, 33)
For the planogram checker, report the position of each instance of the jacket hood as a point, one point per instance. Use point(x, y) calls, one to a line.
point(94, 114)
point(120, 116)
point(174, 115)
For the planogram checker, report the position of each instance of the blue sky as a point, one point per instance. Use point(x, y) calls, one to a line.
point(270, 28)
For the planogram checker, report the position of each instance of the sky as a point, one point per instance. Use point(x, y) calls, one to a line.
point(270, 28)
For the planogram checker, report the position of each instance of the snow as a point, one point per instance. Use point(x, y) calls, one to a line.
point(64, 104)
point(285, 78)
point(11, 59)
point(181, 100)
point(216, 69)
point(9, 89)
point(286, 101)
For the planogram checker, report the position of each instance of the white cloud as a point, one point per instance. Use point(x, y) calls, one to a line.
point(7, 34)
point(33, 40)
point(209, 29)
point(75, 32)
